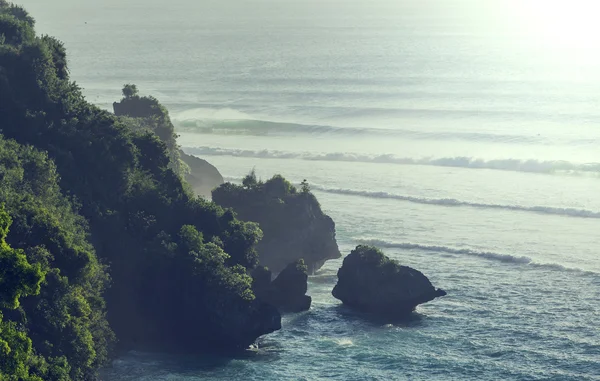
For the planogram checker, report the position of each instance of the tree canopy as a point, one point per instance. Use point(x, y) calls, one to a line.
point(90, 194)
point(18, 278)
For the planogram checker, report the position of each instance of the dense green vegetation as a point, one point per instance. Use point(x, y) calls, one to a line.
point(17, 278)
point(147, 114)
point(65, 319)
point(293, 223)
point(84, 188)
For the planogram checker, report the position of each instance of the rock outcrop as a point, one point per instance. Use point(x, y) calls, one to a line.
point(287, 292)
point(370, 282)
point(292, 221)
point(203, 177)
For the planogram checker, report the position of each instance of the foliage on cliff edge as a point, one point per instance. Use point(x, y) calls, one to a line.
point(177, 263)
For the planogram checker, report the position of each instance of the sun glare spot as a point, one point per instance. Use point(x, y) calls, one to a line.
point(564, 25)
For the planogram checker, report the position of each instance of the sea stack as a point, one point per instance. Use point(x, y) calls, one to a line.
point(369, 281)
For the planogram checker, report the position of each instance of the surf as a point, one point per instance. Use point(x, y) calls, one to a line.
point(509, 164)
point(487, 255)
point(450, 202)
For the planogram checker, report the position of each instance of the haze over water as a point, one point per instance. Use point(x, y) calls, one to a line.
point(462, 137)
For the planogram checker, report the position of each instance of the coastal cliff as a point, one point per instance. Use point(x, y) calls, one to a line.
point(293, 224)
point(202, 176)
point(102, 243)
point(147, 114)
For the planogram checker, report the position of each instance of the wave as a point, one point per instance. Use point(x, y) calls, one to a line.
point(505, 258)
point(242, 124)
point(515, 165)
point(570, 212)
point(413, 246)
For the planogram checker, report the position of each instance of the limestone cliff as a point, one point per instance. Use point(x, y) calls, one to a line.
point(292, 221)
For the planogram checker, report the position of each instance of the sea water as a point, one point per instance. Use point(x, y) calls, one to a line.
point(458, 136)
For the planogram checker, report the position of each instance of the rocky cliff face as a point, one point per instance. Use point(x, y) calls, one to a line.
point(203, 177)
point(369, 281)
point(287, 292)
point(292, 221)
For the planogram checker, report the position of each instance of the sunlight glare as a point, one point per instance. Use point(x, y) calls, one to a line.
point(564, 25)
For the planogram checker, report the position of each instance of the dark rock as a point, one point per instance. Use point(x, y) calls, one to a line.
point(292, 221)
point(370, 282)
point(203, 176)
point(287, 292)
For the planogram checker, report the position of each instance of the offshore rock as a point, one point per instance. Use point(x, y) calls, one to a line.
point(369, 281)
point(287, 292)
point(292, 221)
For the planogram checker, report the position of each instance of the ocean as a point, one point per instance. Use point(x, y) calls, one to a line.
point(461, 137)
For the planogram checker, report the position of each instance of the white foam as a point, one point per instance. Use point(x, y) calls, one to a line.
point(450, 202)
point(515, 165)
point(505, 258)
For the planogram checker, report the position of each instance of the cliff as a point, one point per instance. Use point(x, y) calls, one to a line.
point(147, 114)
point(293, 224)
point(371, 282)
point(203, 177)
point(99, 207)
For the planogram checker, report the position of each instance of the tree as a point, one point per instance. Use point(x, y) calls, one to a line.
point(131, 204)
point(250, 182)
point(64, 320)
point(18, 278)
point(305, 187)
point(130, 90)
point(292, 221)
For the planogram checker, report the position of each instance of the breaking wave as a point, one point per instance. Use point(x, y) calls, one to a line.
point(505, 258)
point(243, 124)
point(531, 166)
point(570, 212)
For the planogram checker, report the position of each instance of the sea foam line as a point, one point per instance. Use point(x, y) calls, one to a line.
point(569, 212)
point(505, 258)
point(232, 122)
point(516, 165)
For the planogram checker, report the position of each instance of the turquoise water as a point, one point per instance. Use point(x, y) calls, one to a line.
point(456, 135)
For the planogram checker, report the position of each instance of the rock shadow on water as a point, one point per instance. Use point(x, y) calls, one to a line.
point(348, 314)
point(148, 364)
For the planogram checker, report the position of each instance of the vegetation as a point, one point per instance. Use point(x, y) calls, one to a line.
point(17, 278)
point(293, 223)
point(84, 187)
point(371, 282)
point(147, 114)
point(277, 196)
point(65, 321)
